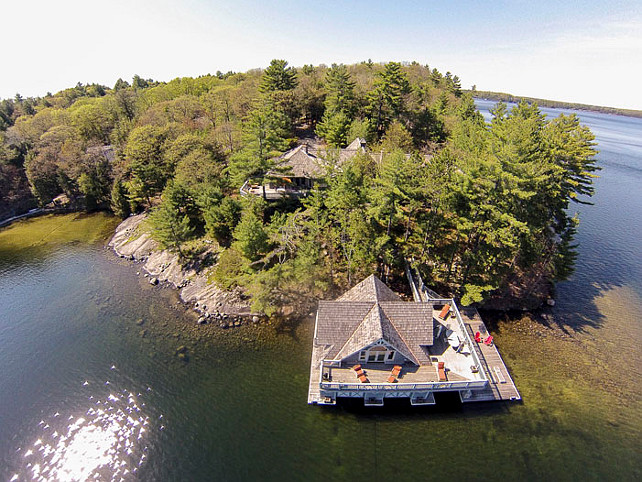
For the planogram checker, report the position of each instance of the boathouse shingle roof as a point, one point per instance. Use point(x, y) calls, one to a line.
point(369, 312)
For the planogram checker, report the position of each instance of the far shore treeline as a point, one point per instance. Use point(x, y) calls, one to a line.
point(556, 104)
point(483, 210)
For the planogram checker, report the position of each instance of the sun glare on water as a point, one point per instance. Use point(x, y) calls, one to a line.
point(106, 442)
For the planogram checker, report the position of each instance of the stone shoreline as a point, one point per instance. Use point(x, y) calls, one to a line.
point(226, 308)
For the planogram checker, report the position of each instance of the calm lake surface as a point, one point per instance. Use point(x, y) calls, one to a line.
point(91, 387)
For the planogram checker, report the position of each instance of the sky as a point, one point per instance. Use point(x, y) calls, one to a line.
point(575, 51)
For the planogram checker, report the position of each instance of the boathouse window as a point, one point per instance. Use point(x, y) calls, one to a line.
point(362, 356)
point(377, 354)
point(391, 355)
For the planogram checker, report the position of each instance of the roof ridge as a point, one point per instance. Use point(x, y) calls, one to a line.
point(400, 336)
point(374, 303)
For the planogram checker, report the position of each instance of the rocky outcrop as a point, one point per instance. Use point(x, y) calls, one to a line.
point(228, 308)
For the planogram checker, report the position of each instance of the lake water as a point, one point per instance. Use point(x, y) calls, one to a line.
point(91, 387)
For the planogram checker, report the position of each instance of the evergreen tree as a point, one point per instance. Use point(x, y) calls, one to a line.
point(171, 221)
point(119, 202)
point(278, 77)
point(250, 237)
point(339, 87)
point(339, 106)
point(264, 137)
point(386, 100)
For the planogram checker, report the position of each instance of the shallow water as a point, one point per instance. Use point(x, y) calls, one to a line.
point(81, 336)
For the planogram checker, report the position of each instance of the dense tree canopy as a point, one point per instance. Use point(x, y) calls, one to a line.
point(477, 206)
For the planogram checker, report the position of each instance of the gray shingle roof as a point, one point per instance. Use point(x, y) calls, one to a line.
point(369, 312)
point(298, 162)
point(370, 289)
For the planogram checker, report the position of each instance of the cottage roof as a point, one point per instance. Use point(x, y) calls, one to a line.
point(105, 151)
point(298, 162)
point(370, 312)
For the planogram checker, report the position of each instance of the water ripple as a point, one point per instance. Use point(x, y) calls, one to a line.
point(108, 440)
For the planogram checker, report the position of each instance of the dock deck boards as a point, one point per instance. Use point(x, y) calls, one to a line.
point(314, 391)
point(501, 385)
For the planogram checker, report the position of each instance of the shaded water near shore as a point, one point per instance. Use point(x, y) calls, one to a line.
point(90, 378)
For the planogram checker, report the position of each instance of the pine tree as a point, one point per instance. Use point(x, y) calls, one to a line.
point(119, 201)
point(386, 100)
point(172, 222)
point(278, 76)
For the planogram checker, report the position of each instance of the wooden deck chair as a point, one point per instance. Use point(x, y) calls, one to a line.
point(489, 341)
point(364, 379)
point(443, 314)
point(392, 379)
point(441, 370)
point(478, 337)
point(396, 370)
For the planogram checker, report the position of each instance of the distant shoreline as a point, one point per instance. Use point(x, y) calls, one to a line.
point(501, 96)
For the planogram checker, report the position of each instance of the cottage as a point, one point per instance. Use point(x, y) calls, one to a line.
point(297, 171)
point(370, 344)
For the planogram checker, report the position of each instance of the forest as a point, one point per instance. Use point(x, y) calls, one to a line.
point(483, 210)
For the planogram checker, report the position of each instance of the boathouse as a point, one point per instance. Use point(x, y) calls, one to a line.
point(371, 344)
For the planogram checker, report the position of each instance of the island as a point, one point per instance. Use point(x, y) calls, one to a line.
point(284, 186)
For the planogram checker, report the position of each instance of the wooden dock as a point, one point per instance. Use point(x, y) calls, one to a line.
point(500, 383)
point(314, 391)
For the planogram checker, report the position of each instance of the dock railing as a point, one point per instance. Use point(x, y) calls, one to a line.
point(400, 386)
point(420, 291)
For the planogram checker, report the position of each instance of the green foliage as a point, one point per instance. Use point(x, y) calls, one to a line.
point(172, 221)
point(95, 181)
point(250, 237)
point(474, 293)
point(278, 76)
point(334, 128)
point(387, 99)
point(264, 137)
point(221, 215)
point(396, 137)
point(230, 269)
point(119, 202)
point(146, 161)
point(361, 128)
point(477, 206)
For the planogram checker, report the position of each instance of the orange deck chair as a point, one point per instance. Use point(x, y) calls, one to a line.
point(444, 312)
